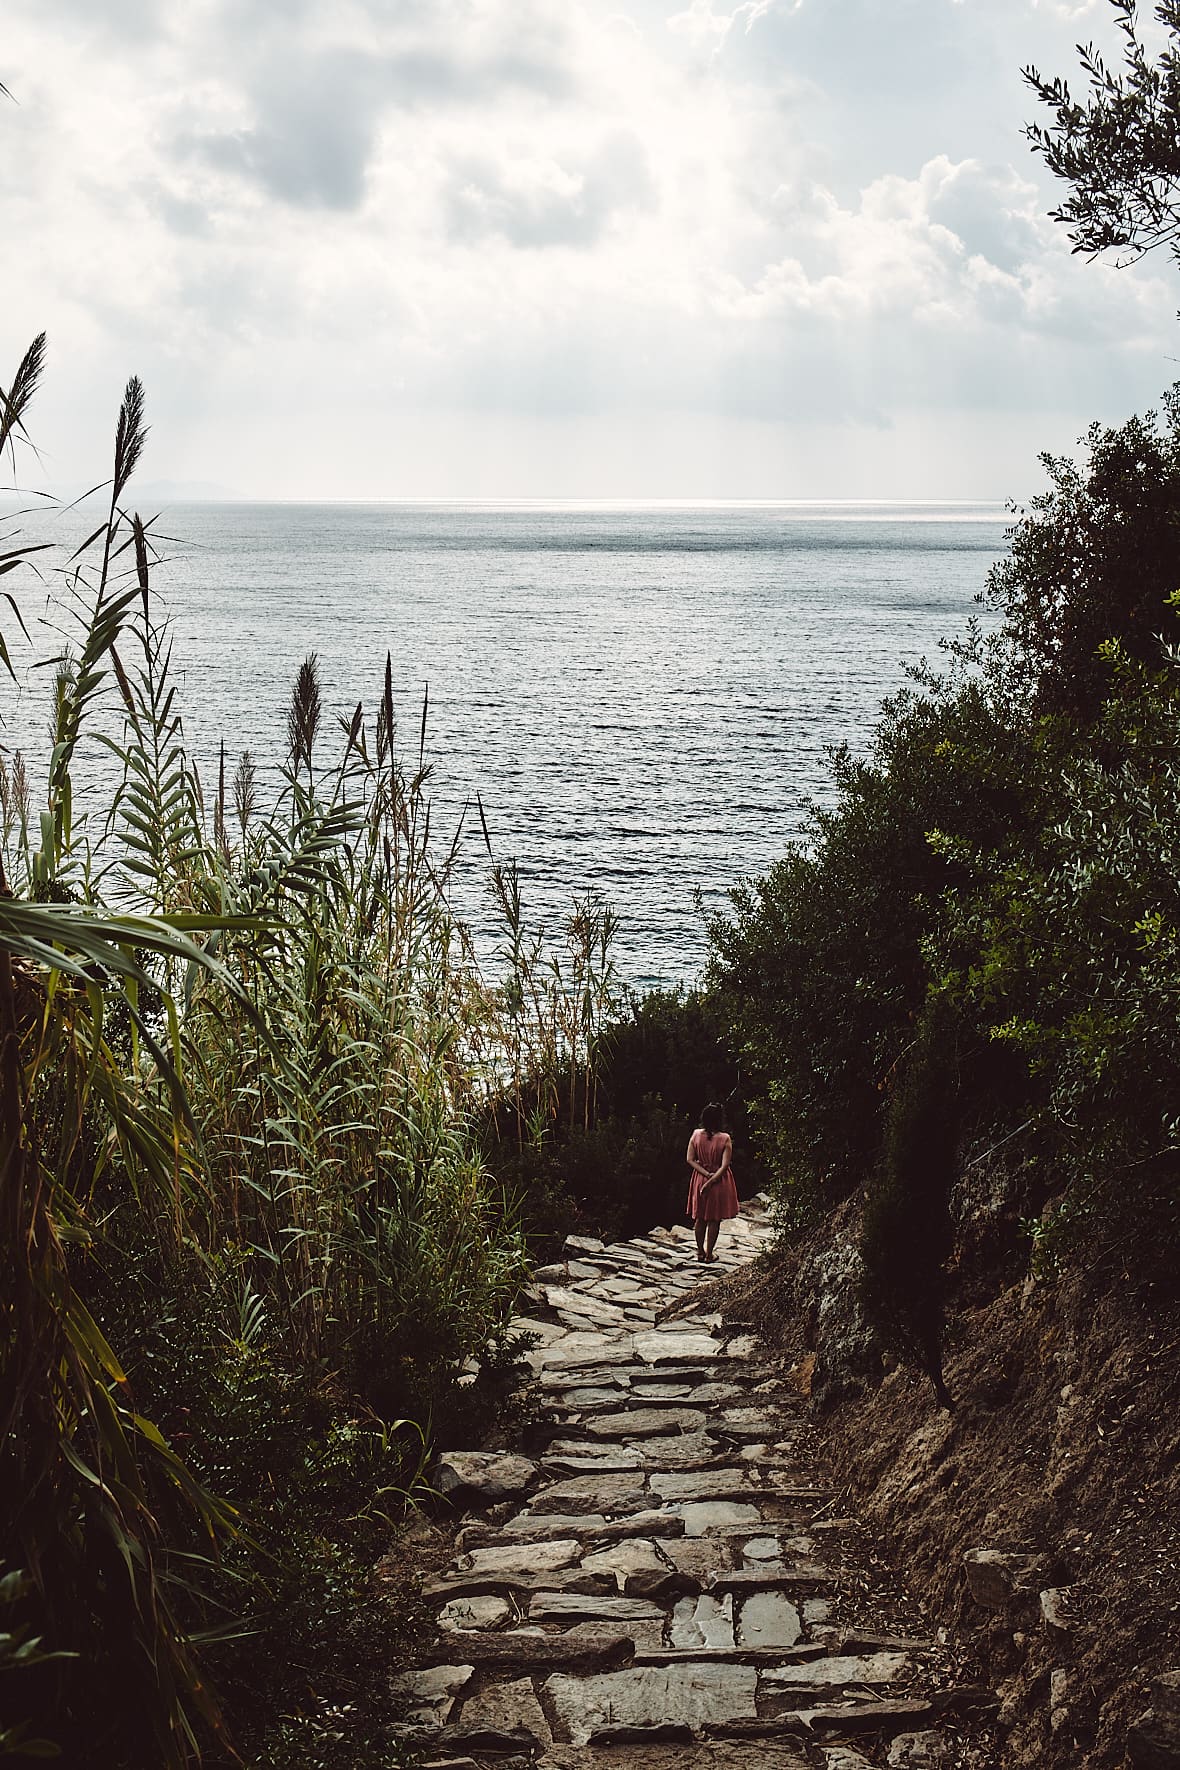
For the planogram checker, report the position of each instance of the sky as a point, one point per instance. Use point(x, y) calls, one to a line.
point(559, 249)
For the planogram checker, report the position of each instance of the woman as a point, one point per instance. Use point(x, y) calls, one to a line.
point(712, 1195)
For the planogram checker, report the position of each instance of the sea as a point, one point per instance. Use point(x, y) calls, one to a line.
point(643, 698)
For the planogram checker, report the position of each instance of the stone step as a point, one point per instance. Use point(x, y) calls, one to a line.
point(658, 1597)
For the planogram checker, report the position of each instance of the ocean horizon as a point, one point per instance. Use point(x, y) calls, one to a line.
point(642, 694)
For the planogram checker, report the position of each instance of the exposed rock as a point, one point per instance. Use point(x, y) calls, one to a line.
point(480, 1611)
point(644, 1422)
point(512, 1558)
point(701, 1517)
point(996, 1577)
point(927, 1750)
point(429, 1695)
point(552, 1606)
point(506, 1708)
point(704, 1621)
point(582, 1244)
point(488, 1475)
point(1153, 1742)
point(647, 1696)
point(837, 1671)
point(1055, 1614)
point(591, 1649)
point(598, 1493)
point(1058, 1699)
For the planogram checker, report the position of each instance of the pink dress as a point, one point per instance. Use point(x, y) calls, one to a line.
point(721, 1200)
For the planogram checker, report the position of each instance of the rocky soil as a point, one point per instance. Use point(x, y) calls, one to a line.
point(1039, 1522)
point(660, 1576)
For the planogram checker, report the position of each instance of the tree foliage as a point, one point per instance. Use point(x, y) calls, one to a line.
point(977, 948)
point(1118, 147)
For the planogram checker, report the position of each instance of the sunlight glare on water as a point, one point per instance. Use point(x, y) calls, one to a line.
point(642, 696)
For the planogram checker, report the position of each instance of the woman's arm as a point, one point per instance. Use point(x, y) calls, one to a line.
point(692, 1161)
point(726, 1157)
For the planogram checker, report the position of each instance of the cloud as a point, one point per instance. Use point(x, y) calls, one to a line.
point(542, 212)
point(537, 201)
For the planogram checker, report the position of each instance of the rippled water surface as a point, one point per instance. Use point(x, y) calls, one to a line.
point(642, 697)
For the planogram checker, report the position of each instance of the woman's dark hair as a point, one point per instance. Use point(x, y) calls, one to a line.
point(713, 1118)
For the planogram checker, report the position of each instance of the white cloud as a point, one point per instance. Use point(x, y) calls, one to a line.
point(376, 216)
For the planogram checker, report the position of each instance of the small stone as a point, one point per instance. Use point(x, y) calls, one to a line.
point(582, 1244)
point(481, 1611)
point(702, 1622)
point(623, 1559)
point(996, 1577)
point(430, 1695)
point(927, 1750)
point(1055, 1614)
point(761, 1548)
point(769, 1620)
point(487, 1474)
point(1165, 1695)
point(842, 1757)
point(815, 1612)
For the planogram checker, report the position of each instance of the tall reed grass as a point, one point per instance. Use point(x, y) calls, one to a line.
point(238, 1036)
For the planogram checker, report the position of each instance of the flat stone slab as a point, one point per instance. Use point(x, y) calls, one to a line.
point(469, 1585)
point(507, 1708)
point(638, 1555)
point(595, 1493)
point(705, 1558)
point(552, 1606)
point(705, 1484)
point(577, 1400)
point(863, 1717)
point(574, 1351)
point(645, 1696)
point(511, 1558)
point(491, 1475)
point(767, 1577)
point(835, 1672)
point(761, 1548)
point(678, 1453)
point(704, 1621)
point(588, 1649)
point(662, 1347)
point(545, 1527)
point(644, 1423)
point(430, 1694)
point(703, 1516)
point(480, 1611)
point(612, 1460)
point(767, 1619)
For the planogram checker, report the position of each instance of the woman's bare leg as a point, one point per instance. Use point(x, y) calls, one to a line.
point(699, 1230)
point(711, 1232)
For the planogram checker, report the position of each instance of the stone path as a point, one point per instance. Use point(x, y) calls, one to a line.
point(649, 1588)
